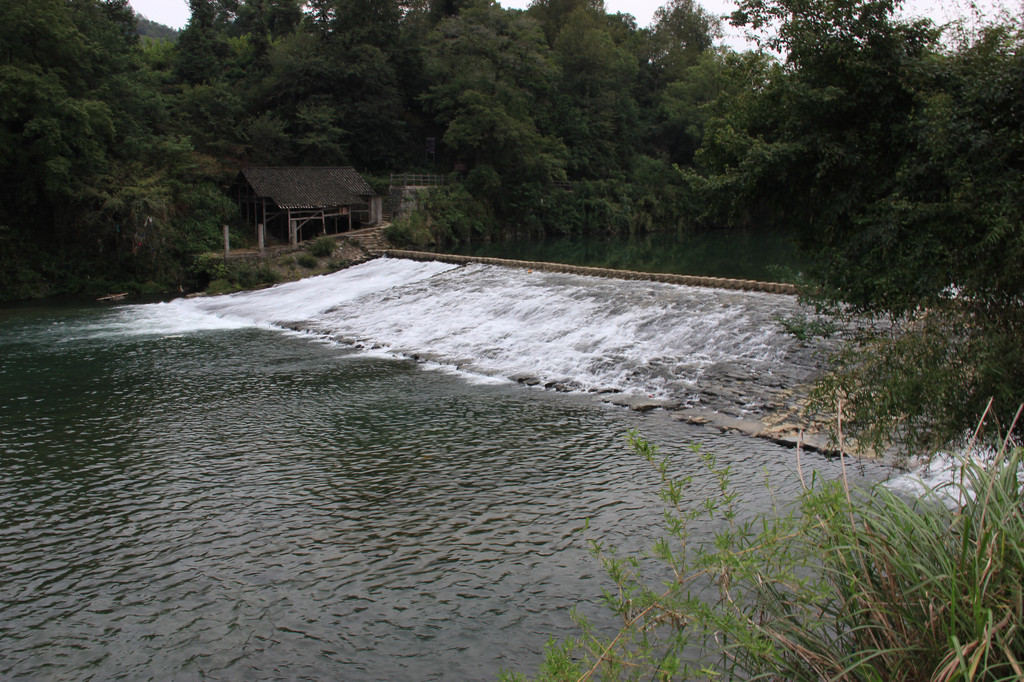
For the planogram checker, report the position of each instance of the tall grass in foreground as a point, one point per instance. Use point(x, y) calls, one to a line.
point(841, 585)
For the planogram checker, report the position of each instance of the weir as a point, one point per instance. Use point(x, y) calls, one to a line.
point(667, 278)
point(712, 356)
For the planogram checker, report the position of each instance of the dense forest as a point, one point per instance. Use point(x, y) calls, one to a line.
point(892, 148)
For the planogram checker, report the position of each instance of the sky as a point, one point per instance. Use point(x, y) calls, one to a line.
point(175, 13)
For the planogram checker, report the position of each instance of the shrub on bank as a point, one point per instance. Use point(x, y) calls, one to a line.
point(306, 260)
point(216, 276)
point(843, 585)
point(322, 247)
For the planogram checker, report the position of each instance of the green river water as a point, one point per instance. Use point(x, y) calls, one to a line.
point(185, 496)
point(760, 255)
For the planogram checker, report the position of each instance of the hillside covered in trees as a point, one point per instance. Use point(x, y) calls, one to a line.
point(151, 30)
point(560, 118)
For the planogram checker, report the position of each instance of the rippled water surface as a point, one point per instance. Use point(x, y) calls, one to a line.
point(237, 502)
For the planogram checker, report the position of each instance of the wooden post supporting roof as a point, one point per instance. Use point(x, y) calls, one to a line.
point(276, 197)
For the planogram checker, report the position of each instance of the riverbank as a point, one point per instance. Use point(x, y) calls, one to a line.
point(249, 269)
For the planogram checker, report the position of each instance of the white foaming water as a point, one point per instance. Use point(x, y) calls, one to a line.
point(276, 306)
point(161, 319)
point(305, 299)
point(942, 475)
point(580, 333)
point(938, 475)
point(573, 332)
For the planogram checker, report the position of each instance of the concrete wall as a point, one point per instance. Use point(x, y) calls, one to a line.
point(376, 211)
point(403, 200)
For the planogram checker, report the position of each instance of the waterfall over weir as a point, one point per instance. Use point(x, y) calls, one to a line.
point(558, 330)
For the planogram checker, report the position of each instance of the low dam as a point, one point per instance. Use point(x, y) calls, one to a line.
point(667, 278)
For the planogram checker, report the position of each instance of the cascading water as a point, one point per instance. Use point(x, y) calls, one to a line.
point(565, 331)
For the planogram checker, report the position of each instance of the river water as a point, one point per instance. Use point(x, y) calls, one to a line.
point(765, 255)
point(191, 489)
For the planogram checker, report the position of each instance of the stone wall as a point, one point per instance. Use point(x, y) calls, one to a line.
point(403, 200)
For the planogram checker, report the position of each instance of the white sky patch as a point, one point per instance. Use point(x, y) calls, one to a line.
point(940, 11)
point(175, 13)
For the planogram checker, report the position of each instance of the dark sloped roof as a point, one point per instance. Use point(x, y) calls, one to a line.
point(312, 187)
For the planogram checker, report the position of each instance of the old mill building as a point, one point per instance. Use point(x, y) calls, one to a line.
point(297, 203)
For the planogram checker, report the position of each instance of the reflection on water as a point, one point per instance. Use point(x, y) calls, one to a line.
point(244, 504)
point(763, 255)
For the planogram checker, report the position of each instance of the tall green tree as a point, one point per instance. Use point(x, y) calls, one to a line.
point(65, 88)
point(202, 45)
point(682, 32)
point(898, 163)
point(554, 14)
point(368, 22)
point(688, 103)
point(269, 18)
point(490, 72)
point(596, 113)
point(93, 189)
point(682, 74)
point(943, 256)
point(338, 102)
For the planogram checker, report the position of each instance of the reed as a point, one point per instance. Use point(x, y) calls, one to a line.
point(915, 590)
point(841, 585)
